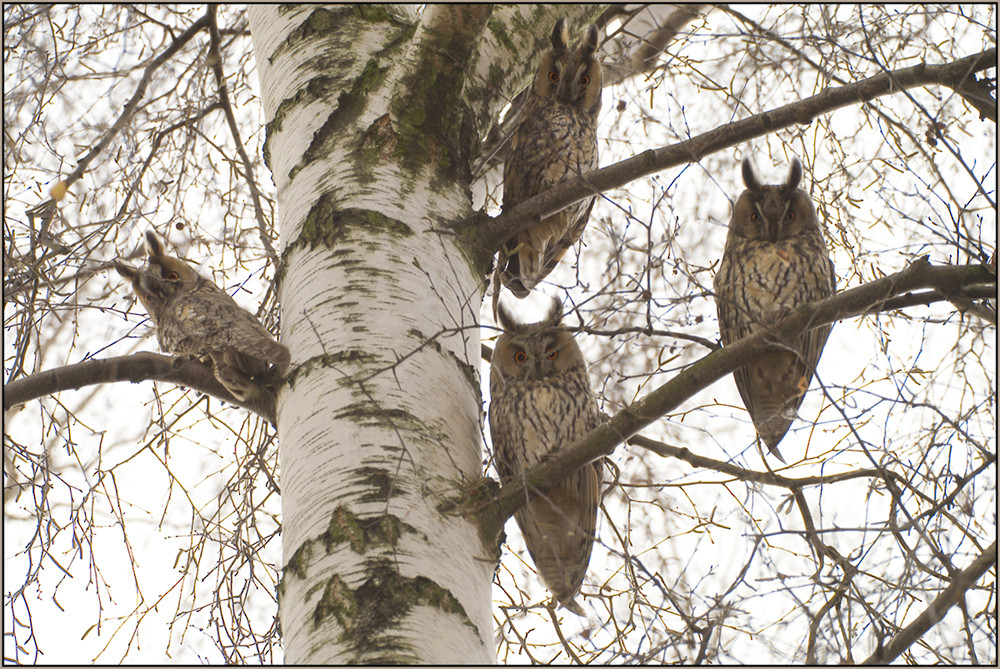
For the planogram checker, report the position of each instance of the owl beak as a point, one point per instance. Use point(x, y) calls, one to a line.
point(567, 91)
point(564, 94)
point(772, 232)
point(770, 226)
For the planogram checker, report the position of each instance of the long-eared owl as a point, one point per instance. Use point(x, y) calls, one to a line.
point(195, 317)
point(540, 401)
point(775, 261)
point(555, 140)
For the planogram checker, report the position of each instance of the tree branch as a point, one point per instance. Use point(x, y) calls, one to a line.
point(496, 231)
point(602, 441)
point(934, 613)
point(653, 27)
point(215, 62)
point(134, 368)
point(133, 103)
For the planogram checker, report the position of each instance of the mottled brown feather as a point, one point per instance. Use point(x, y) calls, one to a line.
point(555, 140)
point(538, 405)
point(775, 260)
point(195, 317)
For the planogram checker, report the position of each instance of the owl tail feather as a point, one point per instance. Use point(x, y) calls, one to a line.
point(573, 607)
point(773, 450)
point(511, 276)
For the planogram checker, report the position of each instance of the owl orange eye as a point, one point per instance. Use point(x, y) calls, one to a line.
point(584, 80)
point(172, 276)
point(552, 353)
point(521, 357)
point(553, 76)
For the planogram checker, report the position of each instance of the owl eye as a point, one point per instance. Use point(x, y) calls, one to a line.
point(554, 76)
point(754, 216)
point(791, 215)
point(520, 357)
point(584, 80)
point(172, 276)
point(552, 353)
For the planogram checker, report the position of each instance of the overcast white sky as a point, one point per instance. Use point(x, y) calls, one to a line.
point(115, 422)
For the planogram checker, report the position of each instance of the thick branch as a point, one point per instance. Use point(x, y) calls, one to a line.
point(934, 613)
point(655, 26)
point(498, 230)
point(873, 296)
point(135, 368)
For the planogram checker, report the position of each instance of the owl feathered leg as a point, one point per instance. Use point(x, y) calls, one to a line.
point(231, 376)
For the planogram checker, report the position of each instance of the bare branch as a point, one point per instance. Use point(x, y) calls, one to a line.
point(133, 368)
point(215, 61)
point(602, 441)
point(937, 609)
point(133, 103)
point(654, 27)
point(530, 212)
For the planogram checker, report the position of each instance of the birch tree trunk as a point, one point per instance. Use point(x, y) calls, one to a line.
point(372, 116)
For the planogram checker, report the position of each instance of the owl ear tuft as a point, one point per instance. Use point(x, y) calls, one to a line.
point(794, 175)
point(560, 35)
point(125, 270)
point(507, 321)
point(554, 315)
point(154, 245)
point(589, 44)
point(749, 178)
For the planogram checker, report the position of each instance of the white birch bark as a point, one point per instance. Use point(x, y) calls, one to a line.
point(372, 116)
point(381, 420)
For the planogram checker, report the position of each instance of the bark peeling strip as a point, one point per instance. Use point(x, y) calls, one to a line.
point(319, 23)
point(315, 89)
point(470, 372)
point(361, 533)
point(346, 527)
point(375, 607)
point(369, 613)
point(378, 483)
point(369, 414)
point(325, 225)
point(346, 356)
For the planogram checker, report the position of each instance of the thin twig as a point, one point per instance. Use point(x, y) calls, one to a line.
point(215, 61)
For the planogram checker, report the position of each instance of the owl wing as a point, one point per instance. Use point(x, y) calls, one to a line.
point(208, 319)
point(521, 177)
point(574, 231)
point(558, 527)
point(773, 385)
point(810, 343)
point(551, 145)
